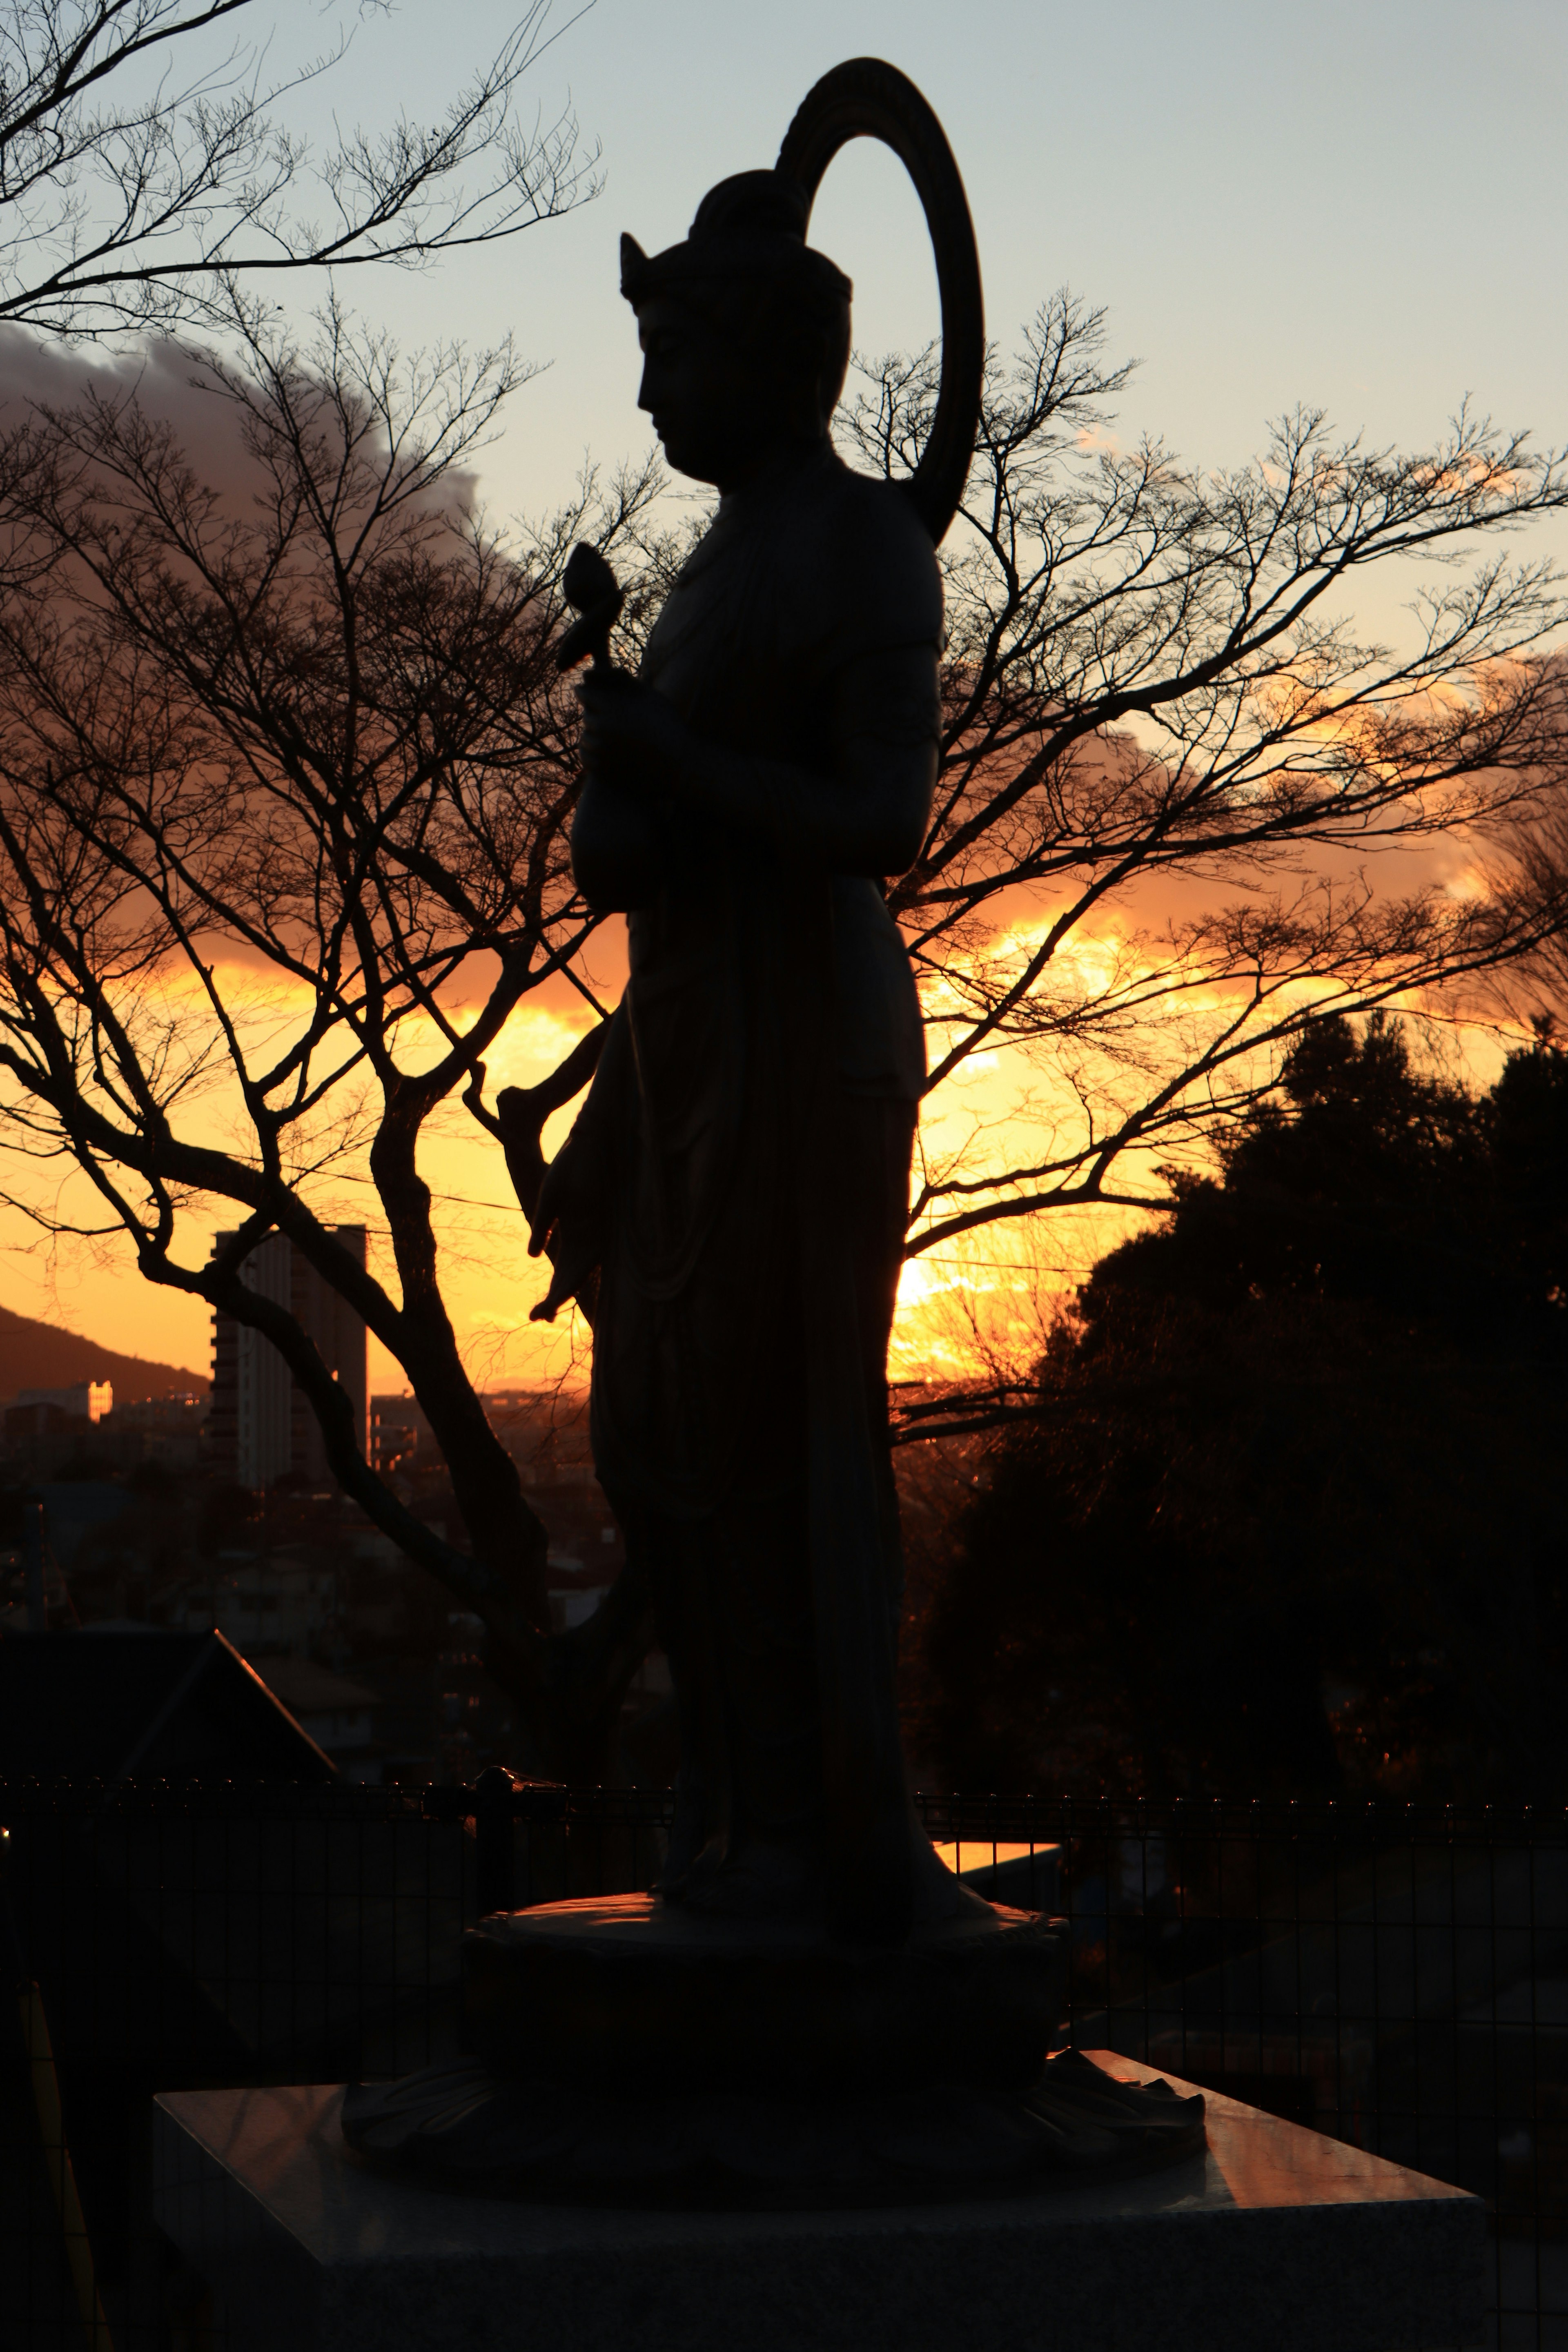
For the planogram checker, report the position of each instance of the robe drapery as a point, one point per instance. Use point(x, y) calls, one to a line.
point(748, 1134)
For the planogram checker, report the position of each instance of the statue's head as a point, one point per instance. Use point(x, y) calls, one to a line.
point(744, 329)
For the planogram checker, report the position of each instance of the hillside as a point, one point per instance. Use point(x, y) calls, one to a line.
point(41, 1356)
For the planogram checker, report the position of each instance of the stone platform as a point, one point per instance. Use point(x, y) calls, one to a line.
point(620, 1989)
point(1276, 2240)
point(629, 2051)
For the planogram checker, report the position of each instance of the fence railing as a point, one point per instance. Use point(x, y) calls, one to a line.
point(1394, 1976)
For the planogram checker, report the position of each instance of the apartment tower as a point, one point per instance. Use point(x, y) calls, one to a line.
point(259, 1426)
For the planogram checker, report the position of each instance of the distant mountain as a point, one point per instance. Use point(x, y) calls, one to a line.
point(41, 1356)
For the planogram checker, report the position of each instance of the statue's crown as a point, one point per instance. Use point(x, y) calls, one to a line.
point(751, 225)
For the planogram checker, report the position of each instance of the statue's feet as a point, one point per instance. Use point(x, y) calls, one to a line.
point(939, 1895)
point(764, 1878)
point(759, 1879)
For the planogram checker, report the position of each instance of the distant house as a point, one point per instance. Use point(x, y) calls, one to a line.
point(73, 1508)
point(48, 1524)
point(82, 1400)
point(247, 1922)
point(58, 1412)
point(167, 1429)
point(265, 1601)
point(119, 1705)
point(331, 1709)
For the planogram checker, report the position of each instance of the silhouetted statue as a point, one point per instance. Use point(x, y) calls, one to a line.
point(739, 1174)
point(737, 1183)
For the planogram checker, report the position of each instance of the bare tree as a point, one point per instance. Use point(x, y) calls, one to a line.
point(145, 156)
point(318, 734)
point(331, 732)
point(1535, 846)
point(1155, 681)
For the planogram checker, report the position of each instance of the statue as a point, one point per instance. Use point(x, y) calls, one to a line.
point(739, 1175)
point(735, 1192)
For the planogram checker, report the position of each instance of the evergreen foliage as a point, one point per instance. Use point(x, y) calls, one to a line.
point(1287, 1512)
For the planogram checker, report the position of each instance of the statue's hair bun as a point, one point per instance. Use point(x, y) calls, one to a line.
point(752, 226)
point(752, 203)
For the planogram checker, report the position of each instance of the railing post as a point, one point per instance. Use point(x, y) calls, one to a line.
point(494, 1862)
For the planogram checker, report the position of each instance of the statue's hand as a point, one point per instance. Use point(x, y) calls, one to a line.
point(568, 1222)
point(572, 1262)
point(631, 735)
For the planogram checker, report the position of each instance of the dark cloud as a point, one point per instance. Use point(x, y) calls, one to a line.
point(164, 380)
point(168, 382)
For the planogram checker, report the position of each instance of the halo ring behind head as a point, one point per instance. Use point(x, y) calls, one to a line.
point(865, 97)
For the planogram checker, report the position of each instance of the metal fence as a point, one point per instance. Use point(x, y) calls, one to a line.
point(1396, 1977)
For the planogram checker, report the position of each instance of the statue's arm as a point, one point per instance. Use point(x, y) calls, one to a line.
point(616, 845)
point(571, 1211)
point(865, 808)
point(861, 808)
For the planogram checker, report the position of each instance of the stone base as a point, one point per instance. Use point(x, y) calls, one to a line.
point(632, 2050)
point(1273, 2240)
point(465, 2127)
point(629, 1992)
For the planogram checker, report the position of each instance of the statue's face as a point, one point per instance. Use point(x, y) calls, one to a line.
point(717, 412)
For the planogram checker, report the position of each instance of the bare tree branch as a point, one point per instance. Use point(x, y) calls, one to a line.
point(1154, 680)
point(146, 163)
point(285, 779)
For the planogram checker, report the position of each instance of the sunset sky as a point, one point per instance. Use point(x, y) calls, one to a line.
point(1359, 207)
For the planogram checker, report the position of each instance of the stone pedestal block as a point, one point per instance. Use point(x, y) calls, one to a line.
point(1276, 2240)
point(629, 1989)
point(629, 2051)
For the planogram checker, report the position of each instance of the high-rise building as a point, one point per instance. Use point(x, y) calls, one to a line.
point(260, 1427)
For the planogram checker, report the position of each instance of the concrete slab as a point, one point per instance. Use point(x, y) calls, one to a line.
point(1277, 2241)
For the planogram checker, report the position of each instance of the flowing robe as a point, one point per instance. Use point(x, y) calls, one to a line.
point(748, 1135)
